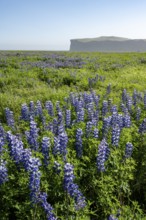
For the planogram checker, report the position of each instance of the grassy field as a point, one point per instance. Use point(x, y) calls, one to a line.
point(82, 117)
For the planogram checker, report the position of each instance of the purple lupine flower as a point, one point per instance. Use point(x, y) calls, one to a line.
point(122, 107)
point(89, 126)
point(16, 147)
point(2, 138)
point(114, 118)
point(106, 126)
point(68, 118)
point(144, 100)
point(9, 118)
point(42, 199)
point(50, 127)
point(129, 103)
point(115, 135)
point(61, 129)
point(49, 107)
point(103, 153)
point(55, 126)
point(78, 144)
point(32, 135)
point(90, 111)
point(38, 109)
point(26, 157)
point(114, 109)
point(24, 112)
point(57, 167)
point(95, 133)
point(120, 121)
point(104, 107)
point(72, 188)
point(142, 127)
point(138, 113)
point(59, 117)
point(128, 150)
point(63, 144)
point(80, 115)
point(45, 149)
point(79, 106)
point(126, 121)
point(32, 166)
point(3, 172)
point(56, 148)
point(31, 109)
point(96, 115)
point(96, 101)
point(58, 109)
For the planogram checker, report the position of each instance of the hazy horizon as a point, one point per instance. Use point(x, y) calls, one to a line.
point(50, 24)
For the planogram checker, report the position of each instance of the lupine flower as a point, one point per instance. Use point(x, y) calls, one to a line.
point(129, 104)
point(124, 95)
point(80, 115)
point(60, 117)
point(3, 172)
point(32, 166)
point(103, 153)
point(114, 118)
point(26, 158)
point(95, 133)
point(32, 135)
point(138, 113)
point(72, 188)
point(58, 109)
point(88, 128)
point(31, 109)
point(57, 167)
point(144, 100)
point(104, 107)
point(24, 112)
point(114, 109)
point(2, 138)
point(55, 126)
point(120, 121)
point(61, 129)
point(78, 144)
point(79, 106)
point(68, 118)
point(45, 149)
point(42, 199)
point(16, 147)
point(38, 110)
point(56, 148)
point(127, 121)
point(63, 143)
point(106, 126)
point(9, 118)
point(142, 127)
point(49, 107)
point(128, 150)
point(115, 135)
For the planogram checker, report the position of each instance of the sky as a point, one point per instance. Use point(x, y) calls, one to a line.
point(50, 24)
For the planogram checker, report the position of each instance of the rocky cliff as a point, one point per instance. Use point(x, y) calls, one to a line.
point(108, 44)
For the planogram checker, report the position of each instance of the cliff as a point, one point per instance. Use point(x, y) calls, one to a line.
point(108, 44)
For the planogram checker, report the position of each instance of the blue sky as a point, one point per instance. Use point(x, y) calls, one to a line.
point(50, 24)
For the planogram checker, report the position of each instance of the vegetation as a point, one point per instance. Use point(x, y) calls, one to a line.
point(72, 135)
